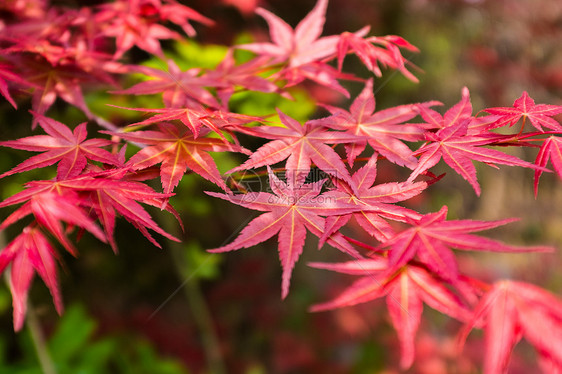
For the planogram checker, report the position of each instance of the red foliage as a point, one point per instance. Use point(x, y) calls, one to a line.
point(49, 52)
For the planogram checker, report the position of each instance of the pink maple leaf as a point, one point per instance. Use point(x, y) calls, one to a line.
point(50, 209)
point(195, 116)
point(107, 196)
point(64, 81)
point(226, 76)
point(300, 145)
point(299, 46)
point(539, 115)
point(57, 56)
point(7, 75)
point(292, 208)
point(180, 14)
point(29, 253)
point(431, 237)
point(383, 130)
point(375, 203)
point(376, 50)
point(453, 143)
point(511, 310)
point(405, 288)
point(318, 72)
point(458, 113)
point(301, 49)
point(102, 196)
point(551, 149)
point(458, 150)
point(135, 23)
point(69, 148)
point(177, 150)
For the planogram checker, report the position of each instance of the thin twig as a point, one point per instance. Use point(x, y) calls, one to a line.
point(199, 309)
point(38, 339)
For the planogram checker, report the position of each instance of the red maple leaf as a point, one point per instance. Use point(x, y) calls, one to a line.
point(301, 49)
point(180, 14)
point(50, 209)
point(383, 130)
point(301, 145)
point(318, 72)
point(102, 196)
point(458, 113)
point(107, 196)
point(551, 149)
point(195, 116)
point(292, 208)
point(69, 148)
point(432, 236)
point(8, 75)
point(177, 150)
point(135, 23)
point(525, 107)
point(29, 253)
point(62, 80)
point(406, 289)
point(377, 201)
point(511, 310)
point(374, 50)
point(57, 57)
point(458, 149)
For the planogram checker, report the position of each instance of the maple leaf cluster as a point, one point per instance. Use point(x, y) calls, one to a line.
point(52, 52)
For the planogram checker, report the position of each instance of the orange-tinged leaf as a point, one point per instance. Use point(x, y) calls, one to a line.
point(177, 150)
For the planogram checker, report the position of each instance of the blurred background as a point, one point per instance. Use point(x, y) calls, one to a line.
point(182, 310)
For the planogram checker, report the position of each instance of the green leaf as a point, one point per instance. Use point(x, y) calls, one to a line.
point(72, 334)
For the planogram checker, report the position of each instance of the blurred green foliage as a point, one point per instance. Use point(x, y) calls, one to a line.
point(75, 348)
point(199, 263)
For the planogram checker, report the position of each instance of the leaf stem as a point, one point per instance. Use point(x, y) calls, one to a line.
point(361, 244)
point(38, 339)
point(201, 315)
point(199, 309)
point(522, 126)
